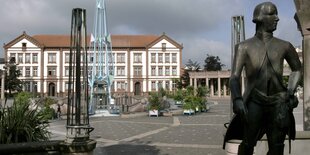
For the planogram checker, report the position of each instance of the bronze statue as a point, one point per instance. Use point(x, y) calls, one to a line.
point(267, 104)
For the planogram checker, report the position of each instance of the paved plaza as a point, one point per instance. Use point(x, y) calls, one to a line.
point(200, 134)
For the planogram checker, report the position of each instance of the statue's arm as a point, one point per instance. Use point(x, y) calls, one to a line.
point(295, 65)
point(235, 86)
point(237, 66)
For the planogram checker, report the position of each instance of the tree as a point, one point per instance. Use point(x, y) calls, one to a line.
point(213, 63)
point(12, 81)
point(190, 66)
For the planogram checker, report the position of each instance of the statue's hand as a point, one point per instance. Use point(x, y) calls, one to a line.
point(292, 101)
point(240, 109)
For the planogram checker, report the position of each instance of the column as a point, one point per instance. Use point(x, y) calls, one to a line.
point(212, 88)
point(219, 87)
point(303, 22)
point(224, 88)
point(195, 83)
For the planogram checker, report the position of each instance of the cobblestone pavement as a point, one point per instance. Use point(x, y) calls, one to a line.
point(200, 134)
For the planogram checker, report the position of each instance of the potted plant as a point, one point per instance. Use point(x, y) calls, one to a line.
point(189, 106)
point(178, 97)
point(154, 104)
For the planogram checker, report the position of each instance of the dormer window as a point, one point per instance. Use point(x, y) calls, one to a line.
point(163, 46)
point(24, 46)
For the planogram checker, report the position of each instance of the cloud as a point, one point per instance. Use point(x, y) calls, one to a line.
point(201, 25)
point(200, 47)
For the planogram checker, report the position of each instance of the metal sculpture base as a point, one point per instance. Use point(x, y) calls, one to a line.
point(78, 147)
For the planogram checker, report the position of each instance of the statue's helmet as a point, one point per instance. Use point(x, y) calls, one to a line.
point(257, 14)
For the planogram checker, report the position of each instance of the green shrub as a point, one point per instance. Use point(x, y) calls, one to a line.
point(179, 95)
point(154, 101)
point(189, 102)
point(19, 123)
point(47, 112)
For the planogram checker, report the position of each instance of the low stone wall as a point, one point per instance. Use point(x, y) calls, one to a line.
point(56, 147)
point(36, 148)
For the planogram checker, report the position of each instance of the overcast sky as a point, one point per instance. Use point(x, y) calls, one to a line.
point(202, 26)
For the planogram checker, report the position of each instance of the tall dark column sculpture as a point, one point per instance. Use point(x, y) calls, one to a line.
point(78, 127)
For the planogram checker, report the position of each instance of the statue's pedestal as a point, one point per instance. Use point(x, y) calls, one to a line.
point(299, 146)
point(231, 147)
point(78, 148)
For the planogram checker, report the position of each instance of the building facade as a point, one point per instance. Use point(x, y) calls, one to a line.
point(217, 82)
point(143, 63)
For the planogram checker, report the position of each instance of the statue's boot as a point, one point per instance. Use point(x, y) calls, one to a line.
point(245, 149)
point(276, 149)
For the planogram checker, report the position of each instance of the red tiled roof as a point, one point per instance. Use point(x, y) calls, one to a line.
point(117, 40)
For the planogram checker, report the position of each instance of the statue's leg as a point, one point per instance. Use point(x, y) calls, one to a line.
point(251, 129)
point(275, 134)
point(245, 149)
point(276, 149)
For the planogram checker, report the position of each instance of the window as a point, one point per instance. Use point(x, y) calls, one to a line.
point(160, 71)
point(120, 58)
point(24, 46)
point(153, 85)
point(160, 84)
point(90, 70)
point(120, 71)
point(153, 71)
point(13, 57)
point(111, 70)
point(67, 57)
point(27, 86)
point(35, 86)
point(34, 58)
point(91, 58)
point(137, 58)
point(163, 46)
point(167, 85)
point(35, 71)
point(174, 58)
point(153, 58)
point(66, 86)
point(66, 71)
point(20, 58)
point(167, 58)
point(174, 70)
point(160, 57)
point(167, 70)
point(27, 58)
point(51, 57)
point(137, 71)
point(110, 57)
point(51, 71)
point(121, 85)
point(21, 69)
point(27, 71)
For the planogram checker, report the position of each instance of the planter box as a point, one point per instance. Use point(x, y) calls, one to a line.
point(153, 113)
point(188, 111)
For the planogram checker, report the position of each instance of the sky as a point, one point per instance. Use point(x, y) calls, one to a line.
point(201, 26)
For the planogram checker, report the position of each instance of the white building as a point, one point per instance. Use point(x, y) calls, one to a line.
point(143, 63)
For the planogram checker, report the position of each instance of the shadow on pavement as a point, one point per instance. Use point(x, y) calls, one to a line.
point(128, 149)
